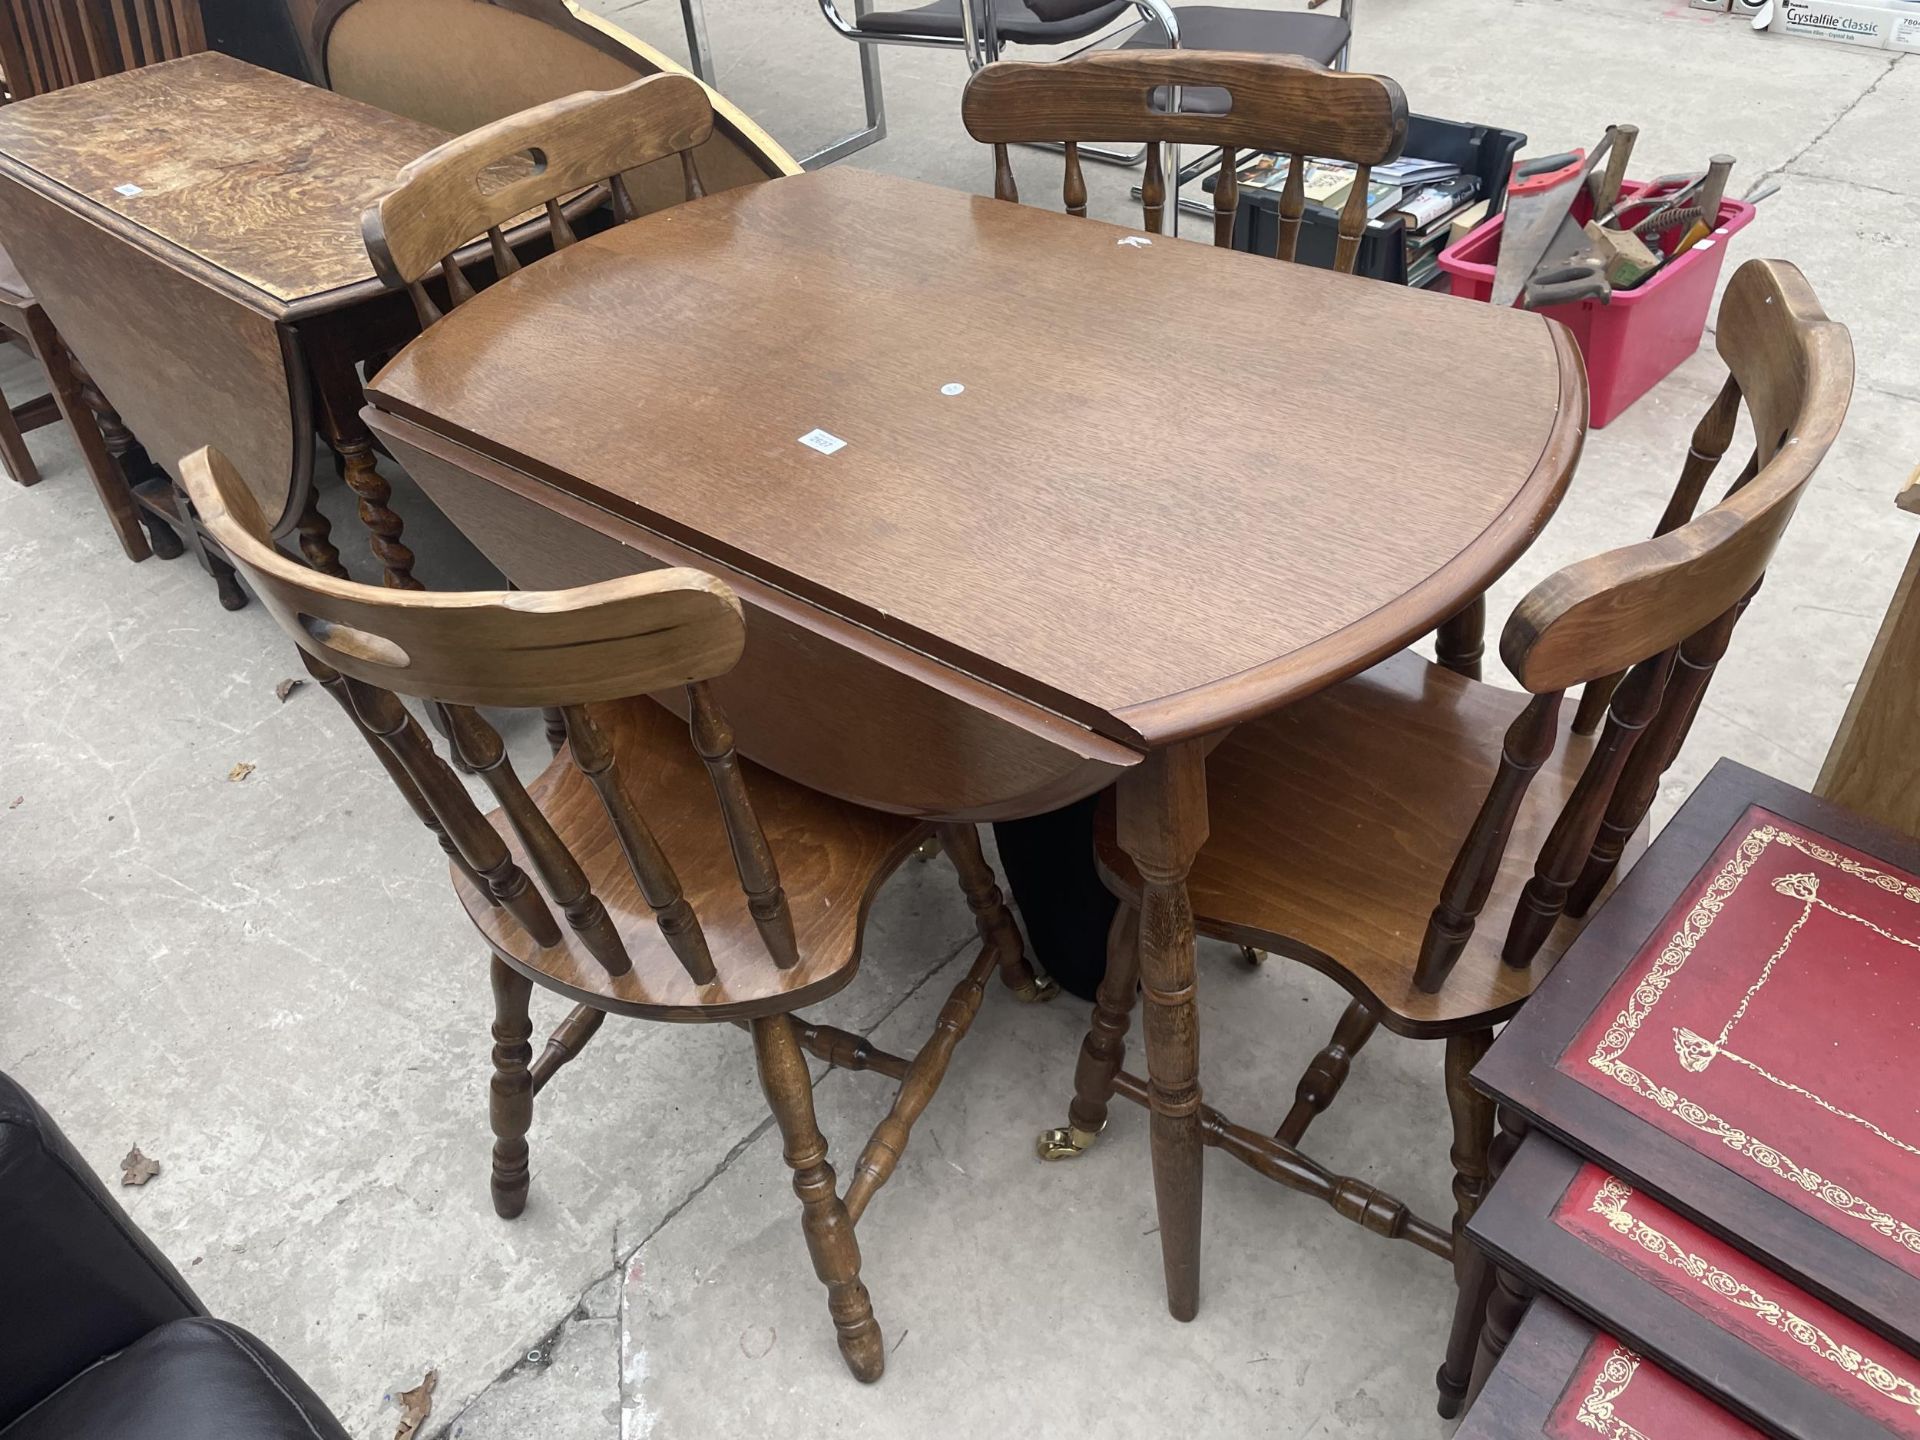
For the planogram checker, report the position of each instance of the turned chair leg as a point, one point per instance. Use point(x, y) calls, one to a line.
point(990, 913)
point(829, 1230)
point(1105, 1045)
point(1472, 1156)
point(1328, 1072)
point(510, 1098)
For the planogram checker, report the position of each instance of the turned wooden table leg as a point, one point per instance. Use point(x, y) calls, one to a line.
point(1473, 1122)
point(69, 393)
point(990, 914)
point(1162, 823)
point(1105, 1045)
point(316, 537)
point(1460, 642)
point(829, 1230)
point(134, 464)
point(337, 400)
point(376, 513)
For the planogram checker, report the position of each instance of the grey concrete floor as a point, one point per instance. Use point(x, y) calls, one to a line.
point(267, 986)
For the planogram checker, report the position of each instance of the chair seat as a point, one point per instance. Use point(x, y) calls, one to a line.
point(1014, 22)
point(1333, 823)
point(191, 1379)
point(832, 856)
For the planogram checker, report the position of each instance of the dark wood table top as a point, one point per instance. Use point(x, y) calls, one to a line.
point(1179, 487)
point(1780, 1166)
point(252, 181)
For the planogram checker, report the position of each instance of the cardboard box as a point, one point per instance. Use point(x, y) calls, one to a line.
point(1846, 24)
point(1903, 32)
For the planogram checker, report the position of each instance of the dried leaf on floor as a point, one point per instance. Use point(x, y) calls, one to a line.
point(286, 687)
point(16, 802)
point(415, 1405)
point(137, 1169)
point(241, 770)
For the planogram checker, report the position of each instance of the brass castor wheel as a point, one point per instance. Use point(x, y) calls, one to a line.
point(1254, 958)
point(1037, 991)
point(1064, 1143)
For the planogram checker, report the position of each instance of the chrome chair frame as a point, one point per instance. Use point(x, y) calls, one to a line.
point(980, 38)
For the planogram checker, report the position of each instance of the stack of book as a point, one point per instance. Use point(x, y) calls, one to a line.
point(1425, 196)
point(1428, 212)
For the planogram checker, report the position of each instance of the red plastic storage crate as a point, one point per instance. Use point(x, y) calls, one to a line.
point(1635, 340)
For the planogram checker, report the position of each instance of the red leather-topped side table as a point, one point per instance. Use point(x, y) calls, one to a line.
point(1721, 1152)
point(1562, 1379)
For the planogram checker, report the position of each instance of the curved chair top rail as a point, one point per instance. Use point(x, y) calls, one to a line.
point(477, 182)
point(1279, 102)
point(1794, 369)
point(511, 648)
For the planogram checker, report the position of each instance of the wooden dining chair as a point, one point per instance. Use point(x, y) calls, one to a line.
point(1428, 841)
point(51, 44)
point(474, 184)
point(690, 885)
point(1277, 103)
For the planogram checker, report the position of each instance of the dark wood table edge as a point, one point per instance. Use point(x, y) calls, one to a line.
point(1515, 1226)
point(1520, 1071)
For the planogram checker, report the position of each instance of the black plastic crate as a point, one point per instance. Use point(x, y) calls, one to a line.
point(1479, 150)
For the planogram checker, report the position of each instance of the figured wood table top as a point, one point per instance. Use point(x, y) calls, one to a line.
point(254, 181)
point(1179, 487)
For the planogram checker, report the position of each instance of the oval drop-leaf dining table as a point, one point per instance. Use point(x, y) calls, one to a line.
point(1021, 505)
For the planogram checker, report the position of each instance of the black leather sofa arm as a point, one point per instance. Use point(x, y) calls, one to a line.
point(77, 1280)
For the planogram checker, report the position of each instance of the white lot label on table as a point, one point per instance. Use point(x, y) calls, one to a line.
point(128, 190)
point(823, 442)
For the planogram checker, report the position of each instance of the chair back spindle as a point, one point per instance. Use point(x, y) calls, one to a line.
point(752, 856)
point(50, 44)
point(1279, 103)
point(571, 650)
point(1659, 613)
point(477, 184)
point(387, 720)
point(652, 871)
point(481, 749)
